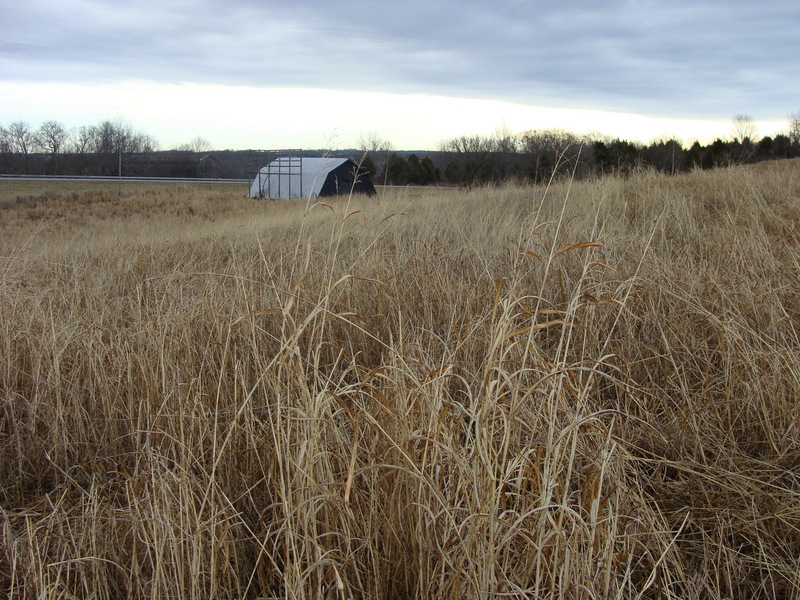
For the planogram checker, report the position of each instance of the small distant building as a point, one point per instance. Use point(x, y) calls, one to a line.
point(208, 166)
point(295, 177)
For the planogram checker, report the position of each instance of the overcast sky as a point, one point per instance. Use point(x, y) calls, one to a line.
point(268, 74)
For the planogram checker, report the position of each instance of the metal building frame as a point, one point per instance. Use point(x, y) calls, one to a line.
point(281, 163)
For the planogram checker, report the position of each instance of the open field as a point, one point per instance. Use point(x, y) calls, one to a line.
point(17, 190)
point(588, 390)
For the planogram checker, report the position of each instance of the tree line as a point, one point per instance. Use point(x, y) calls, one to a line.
point(540, 155)
point(101, 149)
point(114, 146)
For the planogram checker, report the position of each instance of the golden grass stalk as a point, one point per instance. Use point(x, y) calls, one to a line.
point(587, 390)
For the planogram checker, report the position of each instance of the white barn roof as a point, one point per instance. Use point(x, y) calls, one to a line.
point(293, 177)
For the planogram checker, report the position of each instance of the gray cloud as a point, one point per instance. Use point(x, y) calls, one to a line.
point(707, 58)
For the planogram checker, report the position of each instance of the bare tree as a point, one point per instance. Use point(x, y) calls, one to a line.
point(6, 157)
point(198, 144)
point(556, 141)
point(744, 128)
point(83, 139)
point(550, 152)
point(21, 137)
point(118, 136)
point(473, 158)
point(104, 137)
point(372, 142)
point(744, 135)
point(142, 142)
point(51, 137)
point(5, 141)
point(124, 137)
point(20, 142)
point(378, 149)
point(794, 127)
point(111, 140)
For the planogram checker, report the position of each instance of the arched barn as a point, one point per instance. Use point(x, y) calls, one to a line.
point(290, 177)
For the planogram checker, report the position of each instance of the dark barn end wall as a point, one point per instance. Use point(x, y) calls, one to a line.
point(340, 181)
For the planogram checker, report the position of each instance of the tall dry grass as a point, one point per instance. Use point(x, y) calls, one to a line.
point(588, 390)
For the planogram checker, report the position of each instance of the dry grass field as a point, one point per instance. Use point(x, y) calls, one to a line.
point(587, 390)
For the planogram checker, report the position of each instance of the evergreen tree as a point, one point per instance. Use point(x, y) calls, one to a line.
point(398, 171)
point(369, 165)
point(427, 171)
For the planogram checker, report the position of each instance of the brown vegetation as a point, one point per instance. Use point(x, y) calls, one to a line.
point(587, 390)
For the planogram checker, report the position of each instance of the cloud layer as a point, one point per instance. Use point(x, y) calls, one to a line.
point(702, 59)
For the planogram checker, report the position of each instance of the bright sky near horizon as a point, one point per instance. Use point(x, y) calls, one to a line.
point(319, 74)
